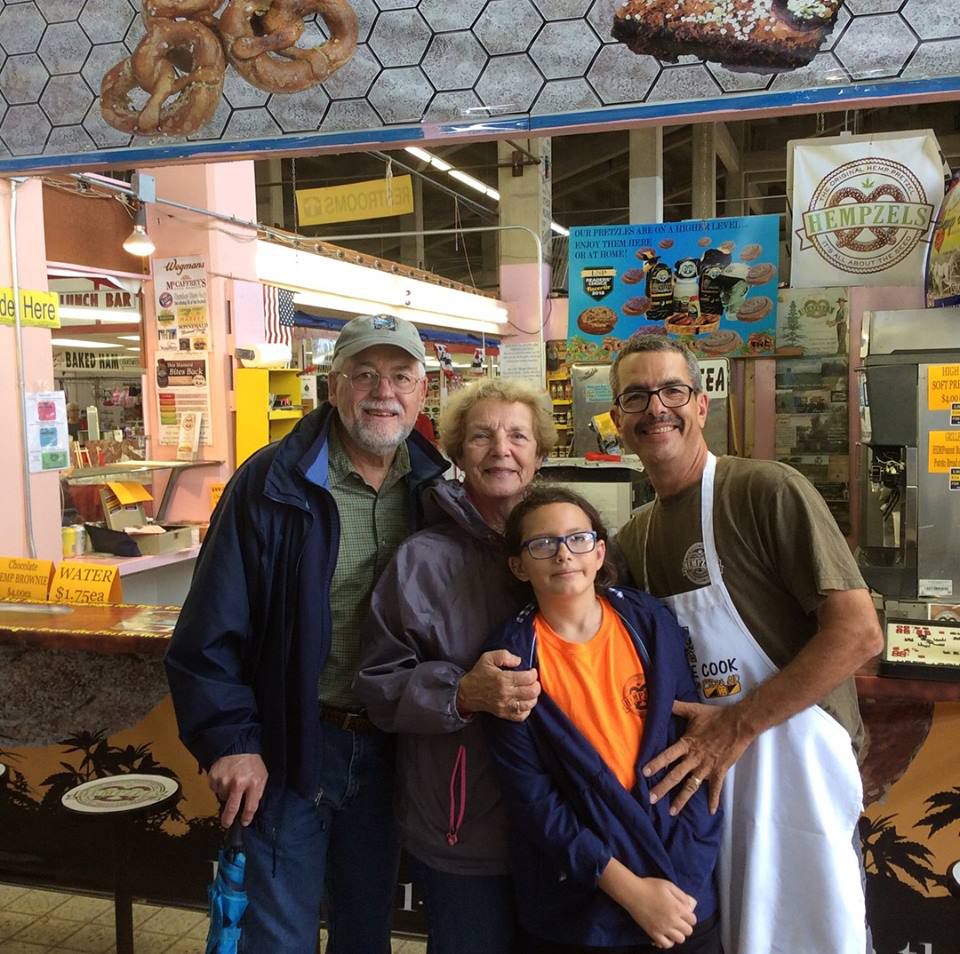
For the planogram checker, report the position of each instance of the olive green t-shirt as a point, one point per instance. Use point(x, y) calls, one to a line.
point(780, 553)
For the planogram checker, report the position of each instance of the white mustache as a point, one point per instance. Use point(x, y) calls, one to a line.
point(390, 407)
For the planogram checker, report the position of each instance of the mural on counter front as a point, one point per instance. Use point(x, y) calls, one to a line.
point(146, 78)
point(711, 283)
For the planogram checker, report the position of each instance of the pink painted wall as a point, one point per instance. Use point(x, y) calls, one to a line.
point(234, 306)
point(38, 376)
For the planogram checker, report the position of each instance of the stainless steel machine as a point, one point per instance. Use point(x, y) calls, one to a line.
point(910, 465)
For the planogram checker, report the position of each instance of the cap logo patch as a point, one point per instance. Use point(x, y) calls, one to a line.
point(384, 322)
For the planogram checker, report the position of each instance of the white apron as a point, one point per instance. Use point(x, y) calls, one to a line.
point(789, 876)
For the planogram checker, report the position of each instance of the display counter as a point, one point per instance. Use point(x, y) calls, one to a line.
point(159, 579)
point(79, 666)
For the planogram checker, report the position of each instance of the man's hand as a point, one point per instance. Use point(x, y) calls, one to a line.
point(492, 687)
point(663, 910)
point(236, 780)
point(716, 736)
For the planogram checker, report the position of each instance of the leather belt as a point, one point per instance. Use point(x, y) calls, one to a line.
point(351, 721)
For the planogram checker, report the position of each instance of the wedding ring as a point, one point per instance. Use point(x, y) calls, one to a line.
point(695, 782)
point(516, 706)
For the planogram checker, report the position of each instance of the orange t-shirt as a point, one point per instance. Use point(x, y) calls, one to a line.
point(601, 686)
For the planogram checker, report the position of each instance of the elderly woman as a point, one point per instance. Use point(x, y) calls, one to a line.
point(423, 674)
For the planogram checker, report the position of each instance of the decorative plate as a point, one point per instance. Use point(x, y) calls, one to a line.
point(119, 793)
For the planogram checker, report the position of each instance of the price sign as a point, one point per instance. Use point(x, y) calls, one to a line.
point(77, 582)
point(216, 492)
point(24, 579)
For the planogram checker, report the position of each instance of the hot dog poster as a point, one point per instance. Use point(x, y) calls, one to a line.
point(710, 283)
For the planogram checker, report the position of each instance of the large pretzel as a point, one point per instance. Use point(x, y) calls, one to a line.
point(259, 38)
point(202, 10)
point(175, 58)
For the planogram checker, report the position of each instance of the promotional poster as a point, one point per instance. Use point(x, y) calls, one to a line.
point(710, 283)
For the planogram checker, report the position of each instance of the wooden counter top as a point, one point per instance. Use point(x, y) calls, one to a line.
point(112, 629)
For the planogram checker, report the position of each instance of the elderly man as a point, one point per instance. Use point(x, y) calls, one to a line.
point(779, 619)
point(267, 646)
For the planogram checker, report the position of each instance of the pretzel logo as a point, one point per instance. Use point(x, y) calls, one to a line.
point(180, 62)
point(866, 215)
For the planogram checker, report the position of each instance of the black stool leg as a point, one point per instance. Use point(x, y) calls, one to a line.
point(122, 895)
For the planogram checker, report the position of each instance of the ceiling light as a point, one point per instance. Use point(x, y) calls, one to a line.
point(468, 180)
point(425, 156)
point(89, 316)
point(132, 349)
point(559, 229)
point(128, 338)
point(82, 343)
point(138, 242)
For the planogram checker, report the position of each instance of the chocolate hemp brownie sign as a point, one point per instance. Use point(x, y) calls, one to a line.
point(863, 208)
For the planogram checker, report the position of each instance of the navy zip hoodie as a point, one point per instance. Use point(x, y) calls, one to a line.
point(254, 632)
point(569, 813)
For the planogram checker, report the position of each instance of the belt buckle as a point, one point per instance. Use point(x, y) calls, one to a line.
point(351, 720)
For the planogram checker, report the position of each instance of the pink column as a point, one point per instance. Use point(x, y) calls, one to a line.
point(38, 376)
point(234, 304)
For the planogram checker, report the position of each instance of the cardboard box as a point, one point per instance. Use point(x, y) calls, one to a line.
point(176, 537)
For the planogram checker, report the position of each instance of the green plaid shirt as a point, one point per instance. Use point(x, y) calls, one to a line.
point(372, 525)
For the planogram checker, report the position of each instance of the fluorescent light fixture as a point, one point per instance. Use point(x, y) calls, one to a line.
point(476, 184)
point(343, 286)
point(138, 242)
point(115, 316)
point(336, 303)
point(425, 156)
point(469, 180)
point(82, 343)
point(129, 338)
point(128, 348)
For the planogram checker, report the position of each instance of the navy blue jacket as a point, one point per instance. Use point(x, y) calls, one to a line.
point(254, 633)
point(570, 814)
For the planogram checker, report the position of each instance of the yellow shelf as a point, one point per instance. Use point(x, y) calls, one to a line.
point(256, 423)
point(562, 401)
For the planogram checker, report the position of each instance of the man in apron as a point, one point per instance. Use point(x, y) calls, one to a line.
point(750, 559)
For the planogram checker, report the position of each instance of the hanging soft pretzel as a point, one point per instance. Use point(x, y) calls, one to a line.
point(259, 38)
point(179, 59)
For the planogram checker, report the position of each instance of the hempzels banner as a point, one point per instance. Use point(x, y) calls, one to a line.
point(863, 208)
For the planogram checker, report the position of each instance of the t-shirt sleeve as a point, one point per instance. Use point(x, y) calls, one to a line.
point(806, 546)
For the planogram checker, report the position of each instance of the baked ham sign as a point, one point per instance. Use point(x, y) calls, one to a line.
point(863, 208)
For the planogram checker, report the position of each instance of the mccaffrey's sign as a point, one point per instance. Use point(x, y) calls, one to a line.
point(863, 208)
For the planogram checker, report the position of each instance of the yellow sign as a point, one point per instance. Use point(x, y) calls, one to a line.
point(24, 579)
point(943, 386)
point(944, 451)
point(216, 492)
point(373, 199)
point(77, 582)
point(38, 309)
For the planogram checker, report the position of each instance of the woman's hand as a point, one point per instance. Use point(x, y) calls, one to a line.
point(503, 692)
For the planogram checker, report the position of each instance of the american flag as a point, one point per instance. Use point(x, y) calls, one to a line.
point(277, 315)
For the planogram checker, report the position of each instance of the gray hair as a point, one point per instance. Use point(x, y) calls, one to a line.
point(642, 344)
point(453, 420)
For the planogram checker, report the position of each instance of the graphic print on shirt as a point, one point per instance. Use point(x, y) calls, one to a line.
point(720, 677)
point(694, 566)
point(634, 694)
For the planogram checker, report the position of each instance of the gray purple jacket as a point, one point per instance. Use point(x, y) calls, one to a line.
point(446, 590)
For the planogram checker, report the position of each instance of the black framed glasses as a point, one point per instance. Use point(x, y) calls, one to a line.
point(544, 548)
point(402, 382)
point(670, 395)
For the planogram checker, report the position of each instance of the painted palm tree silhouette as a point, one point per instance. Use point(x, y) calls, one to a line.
point(885, 849)
point(16, 790)
point(944, 811)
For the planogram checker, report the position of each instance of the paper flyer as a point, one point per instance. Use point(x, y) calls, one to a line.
point(812, 322)
point(47, 439)
point(180, 290)
point(182, 386)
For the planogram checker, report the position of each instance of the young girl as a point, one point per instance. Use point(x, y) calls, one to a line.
point(595, 865)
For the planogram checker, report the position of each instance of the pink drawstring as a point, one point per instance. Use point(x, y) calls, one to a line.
point(456, 820)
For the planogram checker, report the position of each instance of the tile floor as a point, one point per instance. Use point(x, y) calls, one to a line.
point(35, 921)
